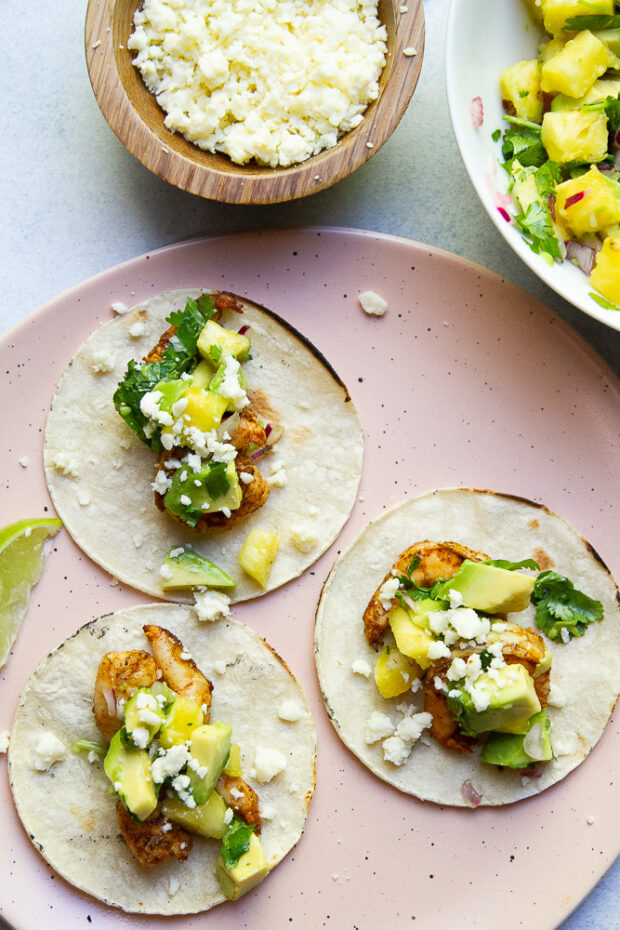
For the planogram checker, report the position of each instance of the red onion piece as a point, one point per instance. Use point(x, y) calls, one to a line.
point(575, 198)
point(582, 255)
point(257, 454)
point(470, 794)
point(617, 160)
point(504, 213)
point(268, 430)
point(244, 330)
point(476, 112)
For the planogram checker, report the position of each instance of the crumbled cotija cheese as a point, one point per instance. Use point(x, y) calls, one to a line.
point(273, 80)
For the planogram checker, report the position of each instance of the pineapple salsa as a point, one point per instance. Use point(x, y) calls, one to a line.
point(561, 147)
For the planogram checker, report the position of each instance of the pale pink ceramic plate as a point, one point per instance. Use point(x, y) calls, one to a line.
point(466, 380)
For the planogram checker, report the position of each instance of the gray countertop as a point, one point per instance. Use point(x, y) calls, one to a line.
point(75, 202)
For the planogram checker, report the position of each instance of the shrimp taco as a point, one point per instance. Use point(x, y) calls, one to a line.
point(468, 647)
point(177, 763)
point(198, 439)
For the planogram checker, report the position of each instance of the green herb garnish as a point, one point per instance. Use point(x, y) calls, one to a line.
point(592, 21)
point(537, 228)
point(88, 745)
point(236, 842)
point(561, 610)
point(513, 566)
point(603, 302)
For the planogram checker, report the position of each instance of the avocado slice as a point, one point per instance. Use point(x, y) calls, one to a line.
point(507, 749)
point(249, 871)
point(210, 747)
point(129, 770)
point(412, 640)
point(489, 588)
point(218, 489)
point(207, 819)
point(189, 569)
point(512, 700)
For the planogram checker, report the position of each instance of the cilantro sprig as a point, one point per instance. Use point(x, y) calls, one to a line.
point(562, 607)
point(236, 842)
point(413, 590)
point(536, 225)
point(513, 566)
point(179, 356)
point(592, 21)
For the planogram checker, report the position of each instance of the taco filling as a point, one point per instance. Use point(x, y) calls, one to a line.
point(173, 772)
point(461, 678)
point(188, 401)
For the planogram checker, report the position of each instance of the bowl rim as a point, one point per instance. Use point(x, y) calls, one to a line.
point(252, 184)
point(564, 279)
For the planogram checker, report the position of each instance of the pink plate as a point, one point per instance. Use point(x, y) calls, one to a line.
point(467, 381)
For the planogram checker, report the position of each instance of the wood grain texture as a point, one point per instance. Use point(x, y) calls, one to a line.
point(138, 121)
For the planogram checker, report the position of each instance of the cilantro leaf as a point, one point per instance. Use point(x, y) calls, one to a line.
point(592, 21)
point(413, 590)
point(513, 566)
point(560, 606)
point(603, 302)
point(496, 135)
point(546, 177)
point(179, 356)
point(537, 228)
point(486, 658)
point(216, 480)
point(236, 842)
point(522, 141)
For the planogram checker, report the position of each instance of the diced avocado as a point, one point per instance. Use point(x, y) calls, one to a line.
point(144, 717)
point(574, 135)
point(520, 87)
point(611, 38)
point(509, 750)
point(189, 569)
point(210, 747)
point(182, 719)
point(576, 67)
point(223, 339)
point(249, 872)
point(420, 608)
point(512, 699)
point(207, 819)
point(129, 770)
point(395, 672)
point(258, 553)
point(489, 588)
point(218, 489)
point(410, 638)
point(233, 766)
point(605, 275)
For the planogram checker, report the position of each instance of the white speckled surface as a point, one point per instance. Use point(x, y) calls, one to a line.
point(75, 203)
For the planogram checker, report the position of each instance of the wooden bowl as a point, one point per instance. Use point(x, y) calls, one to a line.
point(138, 120)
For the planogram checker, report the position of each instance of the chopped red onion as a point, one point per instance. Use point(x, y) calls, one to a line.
point(476, 112)
point(582, 255)
point(552, 206)
point(244, 330)
point(617, 160)
point(257, 454)
point(268, 429)
point(575, 198)
point(470, 794)
point(504, 213)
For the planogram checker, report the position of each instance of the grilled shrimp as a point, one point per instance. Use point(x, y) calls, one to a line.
point(155, 840)
point(180, 673)
point(241, 797)
point(438, 561)
point(120, 674)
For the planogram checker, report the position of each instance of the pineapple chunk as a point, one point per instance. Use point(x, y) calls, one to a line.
point(600, 90)
point(233, 766)
point(394, 672)
point(520, 85)
point(596, 210)
point(203, 410)
point(574, 69)
point(611, 38)
point(556, 12)
point(224, 339)
point(181, 720)
point(605, 275)
point(257, 555)
point(570, 135)
point(548, 49)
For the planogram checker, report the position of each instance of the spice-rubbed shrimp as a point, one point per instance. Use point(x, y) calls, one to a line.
point(155, 840)
point(180, 673)
point(120, 674)
point(241, 797)
point(438, 561)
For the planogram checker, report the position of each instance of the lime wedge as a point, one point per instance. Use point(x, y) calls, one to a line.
point(21, 564)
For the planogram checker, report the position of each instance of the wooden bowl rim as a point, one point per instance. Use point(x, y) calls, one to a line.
point(252, 184)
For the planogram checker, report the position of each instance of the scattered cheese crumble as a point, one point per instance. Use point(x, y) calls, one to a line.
point(291, 711)
point(361, 667)
point(268, 763)
point(273, 80)
point(102, 361)
point(5, 737)
point(303, 538)
point(48, 750)
point(378, 726)
point(372, 303)
point(210, 605)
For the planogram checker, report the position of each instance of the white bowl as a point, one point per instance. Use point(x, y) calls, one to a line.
point(483, 37)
